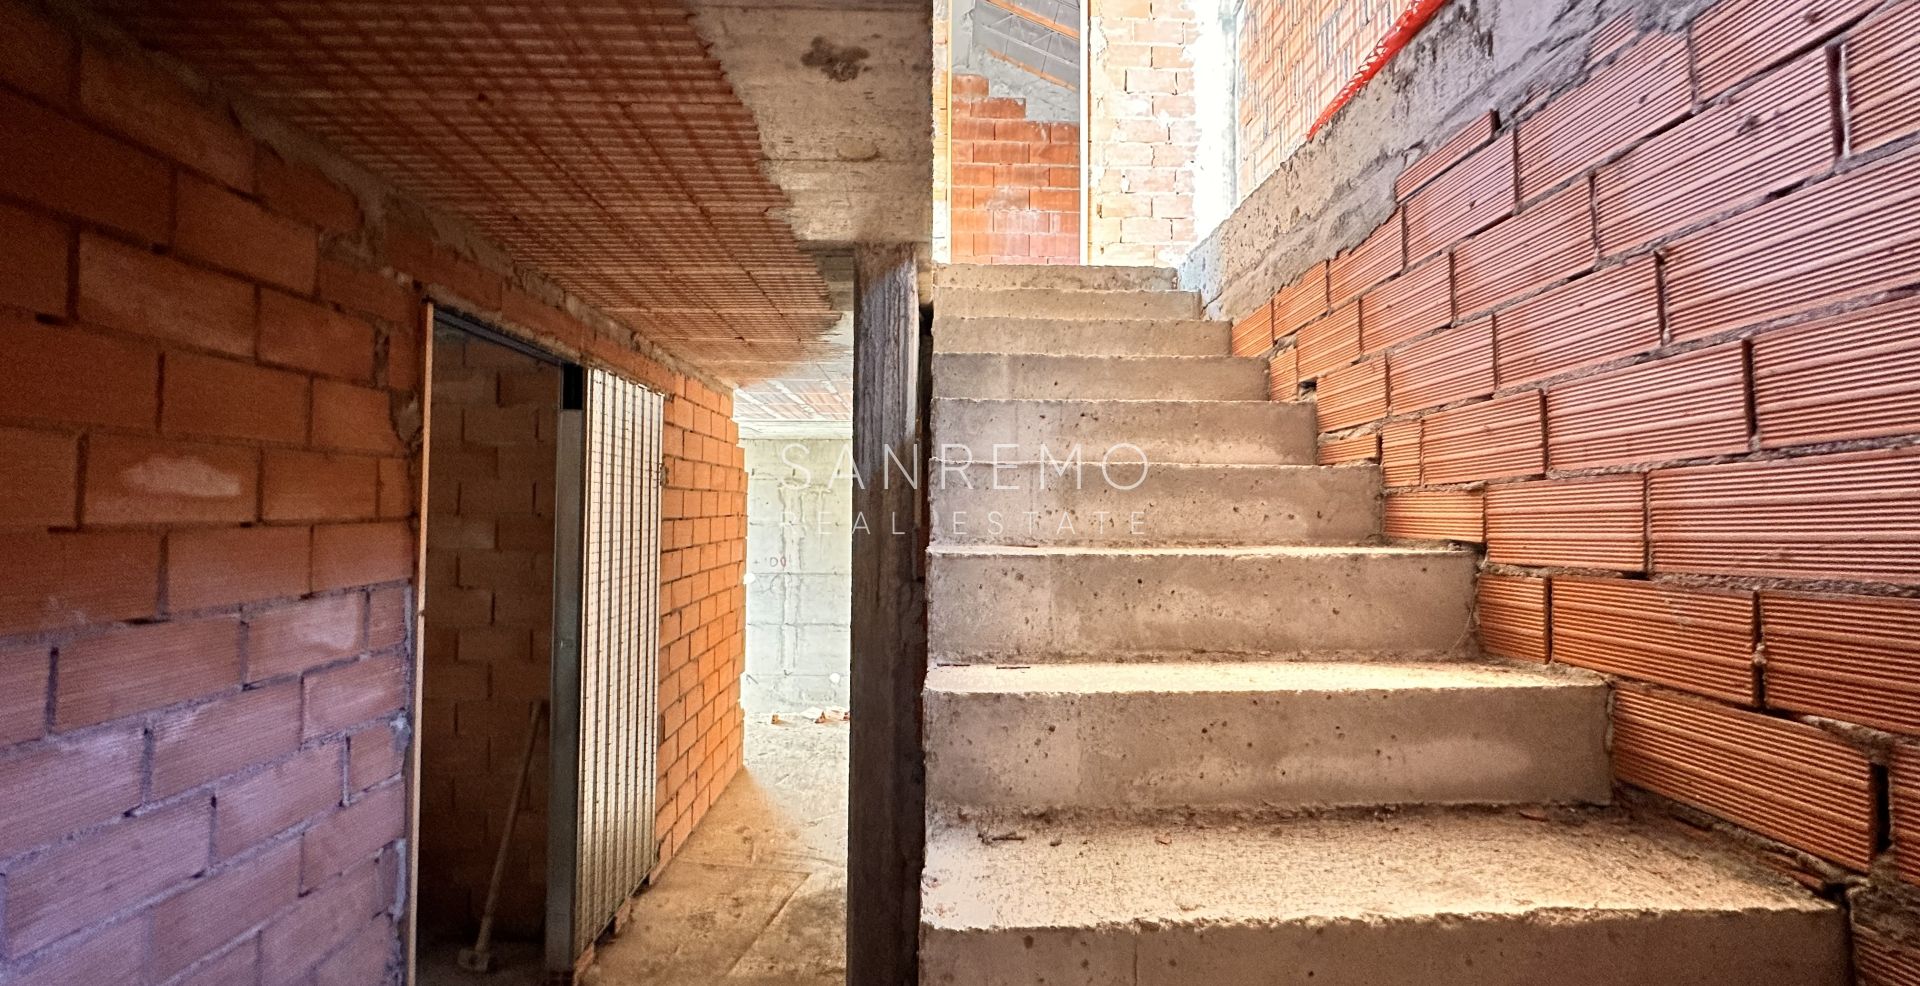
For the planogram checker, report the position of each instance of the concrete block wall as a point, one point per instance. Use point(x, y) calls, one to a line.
point(800, 557)
point(1015, 181)
point(211, 406)
point(1650, 333)
point(1143, 132)
point(487, 638)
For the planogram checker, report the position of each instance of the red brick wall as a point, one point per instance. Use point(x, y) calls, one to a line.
point(1016, 182)
point(1655, 343)
point(1143, 136)
point(211, 407)
point(703, 626)
point(488, 629)
point(1906, 811)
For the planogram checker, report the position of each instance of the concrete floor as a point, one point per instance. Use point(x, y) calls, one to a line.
point(757, 896)
point(518, 964)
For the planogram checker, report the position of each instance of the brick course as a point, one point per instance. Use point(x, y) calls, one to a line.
point(1698, 266)
point(1906, 812)
point(1015, 192)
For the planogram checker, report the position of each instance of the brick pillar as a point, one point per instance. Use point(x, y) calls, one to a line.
point(1143, 136)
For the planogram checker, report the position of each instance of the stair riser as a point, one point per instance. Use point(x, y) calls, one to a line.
point(1050, 303)
point(1062, 337)
point(1257, 433)
point(1579, 949)
point(1172, 504)
point(1277, 749)
point(1058, 277)
point(993, 376)
point(987, 607)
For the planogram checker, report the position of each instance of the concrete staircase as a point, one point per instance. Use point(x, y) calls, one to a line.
point(1198, 724)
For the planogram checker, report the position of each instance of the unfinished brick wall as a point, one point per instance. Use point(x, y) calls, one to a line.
point(486, 641)
point(1016, 182)
point(703, 627)
point(1142, 132)
point(1656, 344)
point(1294, 56)
point(211, 407)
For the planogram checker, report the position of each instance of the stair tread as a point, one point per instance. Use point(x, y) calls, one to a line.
point(1277, 468)
point(1211, 550)
point(1090, 291)
point(994, 277)
point(1195, 428)
point(1103, 358)
point(1361, 867)
point(1081, 336)
point(1381, 675)
point(1065, 300)
point(1130, 402)
point(1121, 323)
point(1043, 375)
point(1082, 404)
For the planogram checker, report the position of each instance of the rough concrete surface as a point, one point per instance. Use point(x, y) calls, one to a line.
point(990, 603)
point(1425, 898)
point(842, 96)
point(1056, 277)
point(517, 963)
point(1052, 302)
point(1154, 378)
point(1288, 734)
point(1128, 501)
point(1258, 432)
point(1079, 337)
point(757, 896)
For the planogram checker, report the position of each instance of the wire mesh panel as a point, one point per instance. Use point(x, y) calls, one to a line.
point(619, 649)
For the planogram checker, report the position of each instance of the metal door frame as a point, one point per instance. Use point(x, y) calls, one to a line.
point(638, 738)
point(563, 726)
point(438, 317)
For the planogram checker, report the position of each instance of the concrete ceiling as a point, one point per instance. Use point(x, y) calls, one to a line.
point(842, 93)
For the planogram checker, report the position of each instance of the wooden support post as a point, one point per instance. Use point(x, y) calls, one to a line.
point(886, 835)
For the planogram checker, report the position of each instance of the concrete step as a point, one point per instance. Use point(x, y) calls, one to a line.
point(1257, 432)
point(1110, 497)
point(1000, 277)
point(1037, 302)
point(1077, 337)
point(1264, 734)
point(1027, 605)
point(1157, 378)
point(1436, 898)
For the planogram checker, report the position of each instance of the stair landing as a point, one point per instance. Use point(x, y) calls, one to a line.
point(1436, 898)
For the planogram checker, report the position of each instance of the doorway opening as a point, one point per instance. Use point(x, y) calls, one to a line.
point(539, 733)
point(486, 664)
